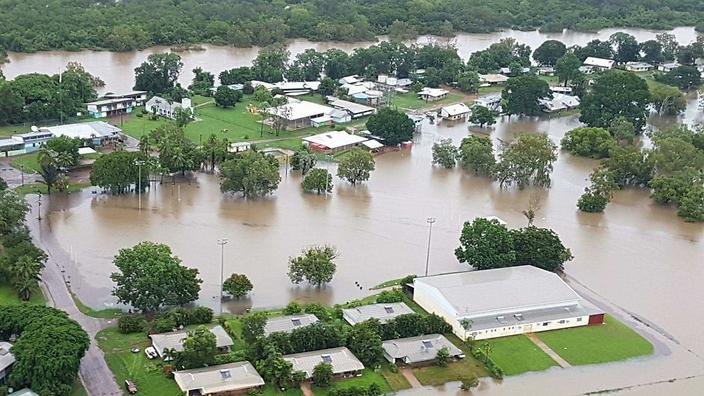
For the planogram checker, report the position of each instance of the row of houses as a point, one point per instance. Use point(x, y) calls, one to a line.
point(297, 114)
point(95, 133)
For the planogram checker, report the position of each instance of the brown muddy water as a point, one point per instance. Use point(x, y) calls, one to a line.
point(117, 68)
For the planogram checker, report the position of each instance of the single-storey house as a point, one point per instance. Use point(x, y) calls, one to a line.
point(507, 70)
point(384, 312)
point(7, 359)
point(256, 83)
point(638, 66)
point(299, 113)
point(355, 110)
point(234, 87)
point(160, 106)
point(454, 112)
point(559, 102)
point(333, 141)
point(343, 362)
point(560, 89)
point(12, 146)
point(418, 350)
point(667, 67)
point(97, 133)
point(546, 71)
point(492, 79)
point(240, 147)
point(224, 379)
point(323, 120)
point(504, 301)
point(599, 63)
point(294, 88)
point(432, 94)
point(372, 145)
point(174, 340)
point(288, 323)
point(340, 116)
point(490, 101)
point(353, 79)
point(24, 392)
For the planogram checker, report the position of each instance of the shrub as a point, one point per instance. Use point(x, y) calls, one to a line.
point(318, 310)
point(201, 315)
point(407, 280)
point(293, 308)
point(140, 115)
point(491, 366)
point(128, 324)
point(442, 357)
point(230, 357)
point(322, 374)
point(469, 383)
point(163, 325)
point(591, 202)
point(390, 296)
point(356, 390)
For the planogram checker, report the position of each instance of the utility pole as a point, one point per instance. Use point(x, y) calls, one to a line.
point(430, 221)
point(222, 242)
point(139, 164)
point(39, 203)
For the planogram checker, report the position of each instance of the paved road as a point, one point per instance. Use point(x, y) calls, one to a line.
point(94, 372)
point(14, 177)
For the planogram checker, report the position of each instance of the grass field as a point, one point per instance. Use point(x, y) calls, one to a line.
point(517, 355)
point(411, 101)
point(270, 390)
point(396, 380)
point(456, 371)
point(28, 163)
point(8, 296)
point(368, 377)
point(146, 374)
point(34, 188)
point(609, 342)
point(109, 313)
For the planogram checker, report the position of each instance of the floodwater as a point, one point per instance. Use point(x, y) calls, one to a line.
point(117, 68)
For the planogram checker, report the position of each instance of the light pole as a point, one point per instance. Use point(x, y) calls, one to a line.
point(222, 242)
point(39, 203)
point(430, 221)
point(22, 173)
point(139, 164)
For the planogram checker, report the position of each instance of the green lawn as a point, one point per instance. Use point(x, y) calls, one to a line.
point(78, 389)
point(270, 390)
point(8, 296)
point(609, 342)
point(26, 162)
point(517, 355)
point(146, 374)
point(455, 371)
point(315, 98)
point(394, 378)
point(109, 313)
point(34, 188)
point(490, 89)
point(368, 377)
point(411, 101)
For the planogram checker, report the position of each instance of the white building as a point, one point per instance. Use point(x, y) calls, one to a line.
point(174, 340)
point(559, 102)
point(418, 350)
point(286, 324)
point(355, 110)
point(113, 104)
point(231, 378)
point(343, 362)
point(383, 312)
point(492, 79)
point(638, 66)
point(432, 94)
point(490, 101)
point(504, 301)
point(299, 113)
point(333, 141)
point(6, 360)
point(667, 67)
point(164, 108)
point(454, 112)
point(599, 63)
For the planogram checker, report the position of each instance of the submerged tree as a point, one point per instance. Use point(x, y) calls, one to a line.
point(316, 265)
point(251, 173)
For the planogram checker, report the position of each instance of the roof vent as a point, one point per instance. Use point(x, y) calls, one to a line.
point(225, 374)
point(296, 322)
point(327, 359)
point(389, 309)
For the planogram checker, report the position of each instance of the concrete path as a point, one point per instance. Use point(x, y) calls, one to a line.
point(94, 373)
point(410, 377)
point(306, 389)
point(540, 344)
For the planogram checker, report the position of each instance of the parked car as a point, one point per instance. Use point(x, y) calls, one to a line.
point(131, 387)
point(151, 352)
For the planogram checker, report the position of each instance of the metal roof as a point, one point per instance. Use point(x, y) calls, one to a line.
point(334, 139)
point(456, 109)
point(221, 378)
point(341, 360)
point(174, 340)
point(6, 358)
point(352, 107)
point(599, 62)
point(288, 323)
point(297, 109)
point(419, 349)
point(382, 312)
point(493, 292)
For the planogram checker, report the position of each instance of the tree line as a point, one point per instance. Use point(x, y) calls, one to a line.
point(33, 25)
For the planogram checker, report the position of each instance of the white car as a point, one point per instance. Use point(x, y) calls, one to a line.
point(151, 352)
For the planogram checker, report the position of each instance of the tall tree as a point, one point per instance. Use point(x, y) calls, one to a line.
point(616, 94)
point(523, 93)
point(549, 52)
point(318, 180)
point(476, 154)
point(627, 47)
point(159, 73)
point(315, 265)
point(445, 154)
point(202, 81)
point(567, 67)
point(251, 173)
point(540, 247)
point(391, 125)
point(356, 166)
point(199, 349)
point(486, 244)
point(527, 161)
point(238, 285)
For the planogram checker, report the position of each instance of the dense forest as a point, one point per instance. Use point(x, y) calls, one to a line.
point(35, 25)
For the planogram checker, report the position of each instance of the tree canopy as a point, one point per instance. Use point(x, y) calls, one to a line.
point(527, 161)
point(238, 285)
point(251, 173)
point(391, 125)
point(523, 93)
point(616, 94)
point(356, 166)
point(315, 265)
point(158, 74)
point(151, 277)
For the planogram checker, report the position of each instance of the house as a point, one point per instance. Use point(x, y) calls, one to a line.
point(97, 133)
point(372, 145)
point(234, 87)
point(240, 147)
point(432, 94)
point(294, 88)
point(370, 97)
point(114, 104)
point(255, 84)
point(160, 106)
point(507, 71)
point(504, 301)
point(599, 64)
point(286, 324)
point(6, 360)
point(383, 312)
point(223, 379)
point(332, 142)
point(418, 350)
point(417, 120)
point(559, 102)
point(454, 112)
point(638, 66)
point(546, 71)
point(340, 116)
point(560, 89)
point(323, 120)
point(668, 67)
point(174, 340)
point(24, 392)
point(343, 362)
point(11, 146)
point(298, 114)
point(393, 82)
point(490, 101)
point(492, 79)
point(353, 79)
point(355, 110)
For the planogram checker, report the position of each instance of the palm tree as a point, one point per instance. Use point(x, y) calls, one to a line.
point(211, 147)
point(48, 168)
point(145, 145)
point(26, 275)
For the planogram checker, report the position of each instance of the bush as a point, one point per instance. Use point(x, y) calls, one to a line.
point(140, 115)
point(163, 325)
point(407, 280)
point(469, 383)
point(230, 357)
point(318, 310)
point(322, 374)
point(128, 324)
point(491, 366)
point(591, 202)
point(293, 308)
point(390, 296)
point(201, 315)
point(371, 390)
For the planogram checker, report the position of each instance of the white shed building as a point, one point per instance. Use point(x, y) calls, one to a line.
point(599, 63)
point(454, 112)
point(504, 301)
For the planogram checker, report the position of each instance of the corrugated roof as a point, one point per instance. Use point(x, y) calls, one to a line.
point(221, 378)
point(287, 323)
point(174, 340)
point(334, 139)
point(7, 359)
point(419, 349)
point(341, 360)
point(382, 312)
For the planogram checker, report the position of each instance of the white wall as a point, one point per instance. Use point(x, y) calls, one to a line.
point(530, 327)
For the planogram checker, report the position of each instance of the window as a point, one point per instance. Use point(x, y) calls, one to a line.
point(546, 323)
point(427, 344)
point(518, 316)
point(296, 322)
point(389, 309)
point(225, 374)
point(561, 321)
point(327, 359)
point(579, 319)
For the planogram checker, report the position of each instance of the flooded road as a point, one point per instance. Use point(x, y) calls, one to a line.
point(117, 68)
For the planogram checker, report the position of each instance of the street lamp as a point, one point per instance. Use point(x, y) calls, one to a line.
point(39, 203)
point(22, 173)
point(430, 221)
point(222, 242)
point(139, 164)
